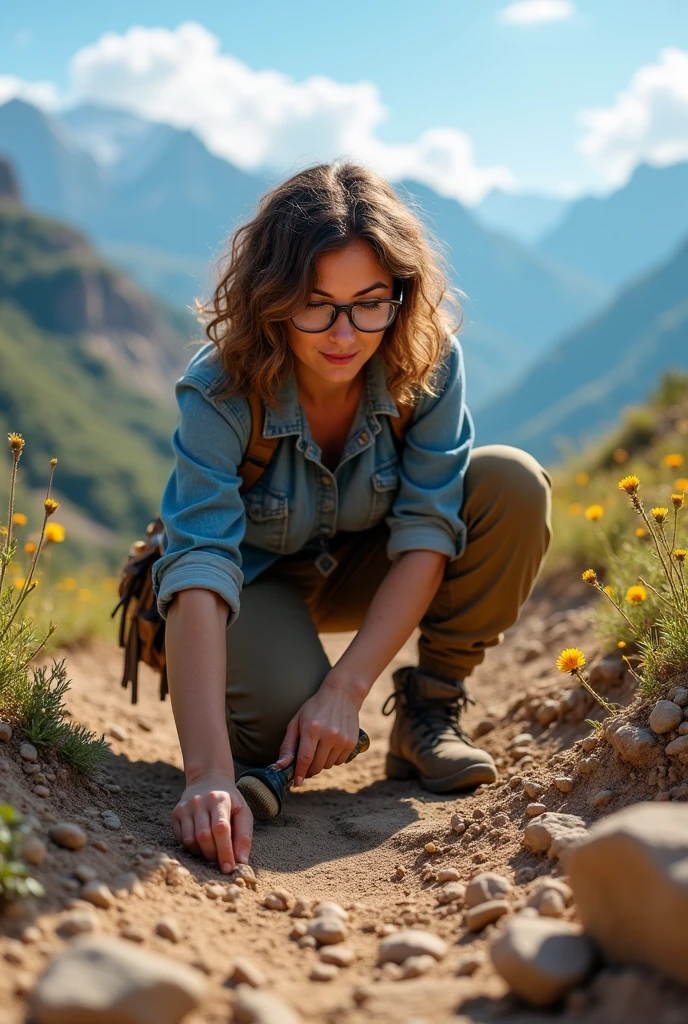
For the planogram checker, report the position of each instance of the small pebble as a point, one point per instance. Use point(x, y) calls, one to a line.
point(485, 913)
point(306, 942)
point(279, 899)
point(665, 716)
point(41, 791)
point(563, 783)
point(533, 789)
point(77, 922)
point(213, 890)
point(448, 875)
point(100, 844)
point(458, 825)
point(298, 929)
point(245, 972)
point(132, 933)
point(431, 848)
point(68, 835)
point(328, 907)
point(118, 732)
point(33, 850)
point(98, 894)
point(28, 752)
point(515, 781)
point(602, 798)
point(468, 966)
point(589, 743)
point(168, 928)
point(111, 820)
point(478, 814)
point(450, 893)
point(301, 908)
point(417, 966)
point(340, 956)
point(323, 972)
point(534, 810)
point(5, 732)
point(327, 930)
point(484, 726)
point(245, 875)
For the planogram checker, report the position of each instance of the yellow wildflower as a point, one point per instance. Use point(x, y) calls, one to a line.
point(55, 532)
point(17, 442)
point(680, 555)
point(641, 531)
point(609, 591)
point(3, 531)
point(629, 484)
point(67, 583)
point(681, 484)
point(636, 595)
point(18, 582)
point(620, 456)
point(53, 463)
point(51, 506)
point(19, 519)
point(29, 547)
point(84, 595)
point(673, 461)
point(594, 512)
point(575, 508)
point(621, 644)
point(571, 660)
point(659, 514)
point(590, 576)
point(677, 500)
point(582, 479)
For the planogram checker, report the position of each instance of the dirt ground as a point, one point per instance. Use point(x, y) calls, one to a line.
point(342, 837)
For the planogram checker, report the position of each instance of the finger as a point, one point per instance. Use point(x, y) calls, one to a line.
point(222, 833)
point(203, 830)
point(188, 834)
point(242, 831)
point(177, 829)
point(289, 743)
point(333, 757)
point(307, 748)
point(346, 750)
point(320, 757)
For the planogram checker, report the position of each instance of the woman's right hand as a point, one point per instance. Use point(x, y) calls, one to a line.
point(213, 819)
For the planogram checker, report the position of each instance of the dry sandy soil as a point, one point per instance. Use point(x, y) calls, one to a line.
point(340, 838)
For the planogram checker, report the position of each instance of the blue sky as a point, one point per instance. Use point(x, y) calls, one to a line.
point(513, 90)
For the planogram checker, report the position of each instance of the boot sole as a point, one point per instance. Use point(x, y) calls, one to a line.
point(467, 778)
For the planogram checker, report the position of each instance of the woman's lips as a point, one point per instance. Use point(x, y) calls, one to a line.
point(338, 360)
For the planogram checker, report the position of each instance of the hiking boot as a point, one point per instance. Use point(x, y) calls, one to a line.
point(427, 740)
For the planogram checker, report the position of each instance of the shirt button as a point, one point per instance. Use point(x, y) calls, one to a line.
point(363, 439)
point(326, 480)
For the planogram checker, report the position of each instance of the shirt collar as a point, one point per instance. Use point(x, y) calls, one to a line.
point(287, 417)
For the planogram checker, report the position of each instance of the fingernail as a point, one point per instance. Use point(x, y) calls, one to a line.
point(243, 858)
point(298, 780)
point(226, 867)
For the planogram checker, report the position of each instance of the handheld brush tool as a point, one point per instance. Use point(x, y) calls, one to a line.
point(263, 789)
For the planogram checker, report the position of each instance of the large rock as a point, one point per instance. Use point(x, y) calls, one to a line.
point(541, 959)
point(102, 980)
point(630, 886)
point(552, 833)
point(633, 744)
point(399, 946)
point(486, 886)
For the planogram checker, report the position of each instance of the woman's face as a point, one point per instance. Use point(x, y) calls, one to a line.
point(336, 355)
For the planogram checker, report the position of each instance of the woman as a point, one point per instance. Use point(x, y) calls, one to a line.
point(332, 311)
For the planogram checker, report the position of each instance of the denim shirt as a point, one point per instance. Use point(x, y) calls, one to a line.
point(217, 539)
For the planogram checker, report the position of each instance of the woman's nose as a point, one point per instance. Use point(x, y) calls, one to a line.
point(342, 329)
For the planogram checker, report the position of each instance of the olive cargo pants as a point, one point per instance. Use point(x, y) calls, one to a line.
point(275, 660)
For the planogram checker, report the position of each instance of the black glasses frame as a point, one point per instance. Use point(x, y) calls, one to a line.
point(336, 310)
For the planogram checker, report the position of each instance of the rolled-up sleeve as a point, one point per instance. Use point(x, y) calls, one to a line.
point(201, 509)
point(426, 511)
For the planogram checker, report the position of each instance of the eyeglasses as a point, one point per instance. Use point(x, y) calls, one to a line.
point(369, 317)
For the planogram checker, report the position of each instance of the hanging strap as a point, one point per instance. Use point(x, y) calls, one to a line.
point(260, 450)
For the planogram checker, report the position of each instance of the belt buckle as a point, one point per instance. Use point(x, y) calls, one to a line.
point(326, 563)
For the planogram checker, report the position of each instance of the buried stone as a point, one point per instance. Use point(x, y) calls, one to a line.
point(630, 884)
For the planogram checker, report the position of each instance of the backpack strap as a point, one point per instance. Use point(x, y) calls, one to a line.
point(261, 449)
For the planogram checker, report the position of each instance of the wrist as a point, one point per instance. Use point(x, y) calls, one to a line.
point(356, 684)
point(196, 772)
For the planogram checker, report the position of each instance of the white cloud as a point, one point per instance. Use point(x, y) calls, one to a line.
point(41, 94)
point(535, 12)
point(648, 121)
point(265, 118)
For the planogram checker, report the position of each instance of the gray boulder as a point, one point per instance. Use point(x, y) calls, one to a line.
point(102, 980)
point(541, 959)
point(630, 886)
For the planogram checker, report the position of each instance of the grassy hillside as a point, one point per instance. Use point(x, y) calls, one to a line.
point(576, 392)
point(113, 445)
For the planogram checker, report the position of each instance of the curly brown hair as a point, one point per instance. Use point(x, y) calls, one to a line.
point(268, 274)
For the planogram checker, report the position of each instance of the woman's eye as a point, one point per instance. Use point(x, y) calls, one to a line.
point(315, 305)
point(370, 305)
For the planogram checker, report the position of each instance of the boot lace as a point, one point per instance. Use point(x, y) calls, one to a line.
point(434, 717)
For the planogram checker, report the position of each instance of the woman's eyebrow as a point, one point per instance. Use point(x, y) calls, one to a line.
point(364, 291)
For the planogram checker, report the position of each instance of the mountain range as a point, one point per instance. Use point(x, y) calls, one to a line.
point(577, 390)
point(161, 205)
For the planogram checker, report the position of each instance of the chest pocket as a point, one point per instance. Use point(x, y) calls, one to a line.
point(385, 482)
point(267, 518)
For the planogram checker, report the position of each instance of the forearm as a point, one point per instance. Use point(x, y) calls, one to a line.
point(399, 604)
point(196, 669)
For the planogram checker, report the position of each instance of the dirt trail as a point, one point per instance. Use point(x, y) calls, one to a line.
point(340, 838)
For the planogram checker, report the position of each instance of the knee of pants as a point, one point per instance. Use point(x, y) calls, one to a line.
point(505, 477)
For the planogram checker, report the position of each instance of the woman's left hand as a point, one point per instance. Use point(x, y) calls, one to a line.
point(325, 729)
